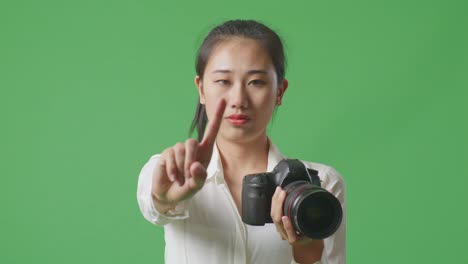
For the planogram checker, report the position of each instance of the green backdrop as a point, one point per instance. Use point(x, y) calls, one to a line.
point(91, 89)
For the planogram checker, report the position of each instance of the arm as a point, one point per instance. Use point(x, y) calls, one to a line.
point(155, 212)
point(331, 250)
point(168, 179)
point(335, 245)
point(305, 250)
point(308, 253)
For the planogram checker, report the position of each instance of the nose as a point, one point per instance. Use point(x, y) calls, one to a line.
point(238, 96)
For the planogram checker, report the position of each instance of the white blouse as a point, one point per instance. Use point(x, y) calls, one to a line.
point(207, 228)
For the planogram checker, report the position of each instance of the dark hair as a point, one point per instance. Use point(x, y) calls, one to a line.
point(251, 29)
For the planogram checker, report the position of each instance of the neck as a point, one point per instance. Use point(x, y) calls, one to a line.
point(249, 156)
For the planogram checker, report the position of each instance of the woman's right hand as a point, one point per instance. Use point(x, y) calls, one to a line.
point(182, 169)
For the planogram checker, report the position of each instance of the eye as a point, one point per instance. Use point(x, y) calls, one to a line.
point(257, 82)
point(222, 82)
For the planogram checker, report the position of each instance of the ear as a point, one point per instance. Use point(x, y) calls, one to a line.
point(199, 83)
point(281, 90)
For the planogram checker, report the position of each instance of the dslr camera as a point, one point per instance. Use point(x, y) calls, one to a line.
point(313, 211)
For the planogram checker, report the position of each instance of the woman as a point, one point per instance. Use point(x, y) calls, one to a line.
point(194, 188)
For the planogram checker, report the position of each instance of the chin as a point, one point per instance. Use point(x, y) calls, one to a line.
point(241, 136)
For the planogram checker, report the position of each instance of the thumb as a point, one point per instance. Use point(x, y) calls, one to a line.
point(198, 175)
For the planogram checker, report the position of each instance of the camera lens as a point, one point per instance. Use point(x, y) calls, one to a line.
point(314, 212)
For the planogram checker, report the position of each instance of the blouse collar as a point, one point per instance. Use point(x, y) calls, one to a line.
point(215, 168)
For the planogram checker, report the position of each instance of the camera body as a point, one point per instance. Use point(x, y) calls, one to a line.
point(313, 211)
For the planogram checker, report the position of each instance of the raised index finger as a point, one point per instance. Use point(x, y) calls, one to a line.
point(214, 125)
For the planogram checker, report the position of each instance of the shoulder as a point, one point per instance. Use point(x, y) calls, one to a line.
point(326, 172)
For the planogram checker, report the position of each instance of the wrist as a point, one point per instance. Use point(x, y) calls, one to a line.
point(162, 206)
point(310, 252)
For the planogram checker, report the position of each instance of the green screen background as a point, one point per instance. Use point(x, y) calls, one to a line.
point(91, 89)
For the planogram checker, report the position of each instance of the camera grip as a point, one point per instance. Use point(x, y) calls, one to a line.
point(255, 200)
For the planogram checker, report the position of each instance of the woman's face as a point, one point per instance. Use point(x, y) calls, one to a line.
point(241, 71)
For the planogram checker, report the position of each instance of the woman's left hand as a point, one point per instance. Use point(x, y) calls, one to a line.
point(305, 250)
point(283, 224)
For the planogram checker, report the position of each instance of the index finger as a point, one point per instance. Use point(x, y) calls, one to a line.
point(214, 125)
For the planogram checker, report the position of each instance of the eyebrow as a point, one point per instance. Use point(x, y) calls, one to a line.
point(249, 72)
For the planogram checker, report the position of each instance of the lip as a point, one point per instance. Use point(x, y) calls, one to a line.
point(237, 121)
point(238, 117)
